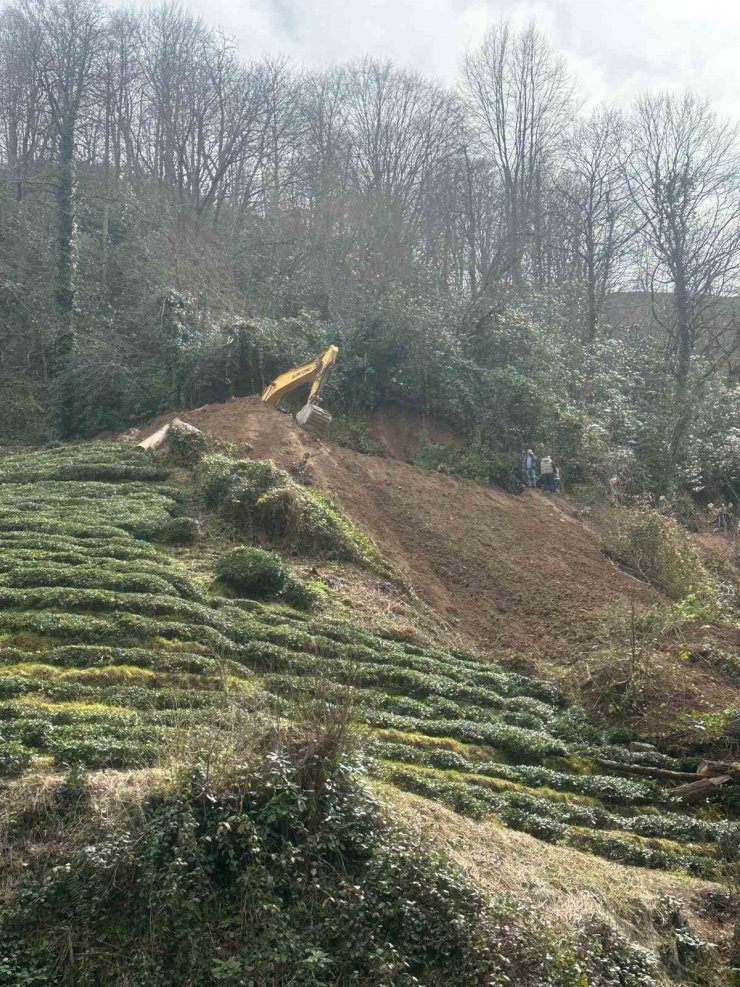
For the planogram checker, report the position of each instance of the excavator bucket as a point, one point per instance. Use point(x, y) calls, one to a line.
point(316, 373)
point(313, 418)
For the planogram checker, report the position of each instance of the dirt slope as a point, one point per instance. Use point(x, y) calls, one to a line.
point(508, 572)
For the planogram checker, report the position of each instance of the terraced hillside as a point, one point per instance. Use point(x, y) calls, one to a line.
point(111, 654)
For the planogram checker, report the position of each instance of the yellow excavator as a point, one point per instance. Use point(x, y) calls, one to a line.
point(316, 373)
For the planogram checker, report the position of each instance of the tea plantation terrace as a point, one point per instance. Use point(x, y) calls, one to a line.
point(112, 654)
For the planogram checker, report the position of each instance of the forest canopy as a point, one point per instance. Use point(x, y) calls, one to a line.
point(177, 224)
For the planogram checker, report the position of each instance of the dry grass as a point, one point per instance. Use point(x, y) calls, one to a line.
point(382, 606)
point(36, 830)
point(41, 823)
point(567, 887)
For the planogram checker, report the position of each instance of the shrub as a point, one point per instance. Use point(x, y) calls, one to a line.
point(187, 447)
point(257, 496)
point(178, 531)
point(233, 484)
point(253, 571)
point(14, 758)
point(354, 433)
point(659, 550)
point(73, 795)
point(341, 893)
point(302, 596)
point(476, 460)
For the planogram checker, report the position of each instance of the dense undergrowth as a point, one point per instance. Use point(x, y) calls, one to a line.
point(113, 657)
point(261, 499)
point(277, 867)
point(657, 549)
point(477, 460)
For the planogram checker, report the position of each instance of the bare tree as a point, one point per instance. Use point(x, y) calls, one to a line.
point(683, 174)
point(26, 137)
point(519, 97)
point(401, 125)
point(70, 39)
point(595, 203)
point(326, 175)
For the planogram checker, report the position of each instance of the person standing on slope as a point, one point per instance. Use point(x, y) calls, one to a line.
point(530, 469)
point(547, 474)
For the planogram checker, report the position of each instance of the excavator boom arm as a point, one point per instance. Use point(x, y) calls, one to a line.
point(316, 371)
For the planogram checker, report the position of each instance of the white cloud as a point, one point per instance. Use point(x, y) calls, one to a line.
point(617, 48)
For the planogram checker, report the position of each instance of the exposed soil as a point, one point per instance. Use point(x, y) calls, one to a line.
point(400, 432)
point(495, 572)
point(509, 572)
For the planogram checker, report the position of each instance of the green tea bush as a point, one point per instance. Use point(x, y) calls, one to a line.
point(14, 758)
point(631, 851)
point(118, 627)
point(101, 750)
point(111, 655)
point(625, 791)
point(173, 531)
point(86, 577)
point(235, 485)
point(106, 461)
point(552, 822)
point(82, 656)
point(301, 595)
point(524, 745)
point(253, 571)
point(410, 753)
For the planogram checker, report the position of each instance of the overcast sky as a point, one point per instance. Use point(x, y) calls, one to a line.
point(616, 47)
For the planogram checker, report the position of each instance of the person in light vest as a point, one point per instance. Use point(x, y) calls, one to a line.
point(530, 469)
point(547, 474)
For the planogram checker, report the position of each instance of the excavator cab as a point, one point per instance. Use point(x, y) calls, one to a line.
point(311, 416)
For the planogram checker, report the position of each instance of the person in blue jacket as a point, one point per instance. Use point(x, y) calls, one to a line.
point(530, 469)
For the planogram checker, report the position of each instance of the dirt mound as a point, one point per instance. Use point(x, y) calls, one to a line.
point(507, 572)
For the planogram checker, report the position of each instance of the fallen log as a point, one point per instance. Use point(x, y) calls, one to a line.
point(701, 789)
point(185, 426)
point(641, 769)
point(158, 438)
point(709, 768)
point(155, 440)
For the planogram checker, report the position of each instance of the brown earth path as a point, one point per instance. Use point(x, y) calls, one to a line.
point(508, 572)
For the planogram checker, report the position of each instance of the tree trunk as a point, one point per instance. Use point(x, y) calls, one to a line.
point(592, 313)
point(471, 229)
point(697, 791)
point(65, 291)
point(682, 405)
point(517, 278)
point(104, 243)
